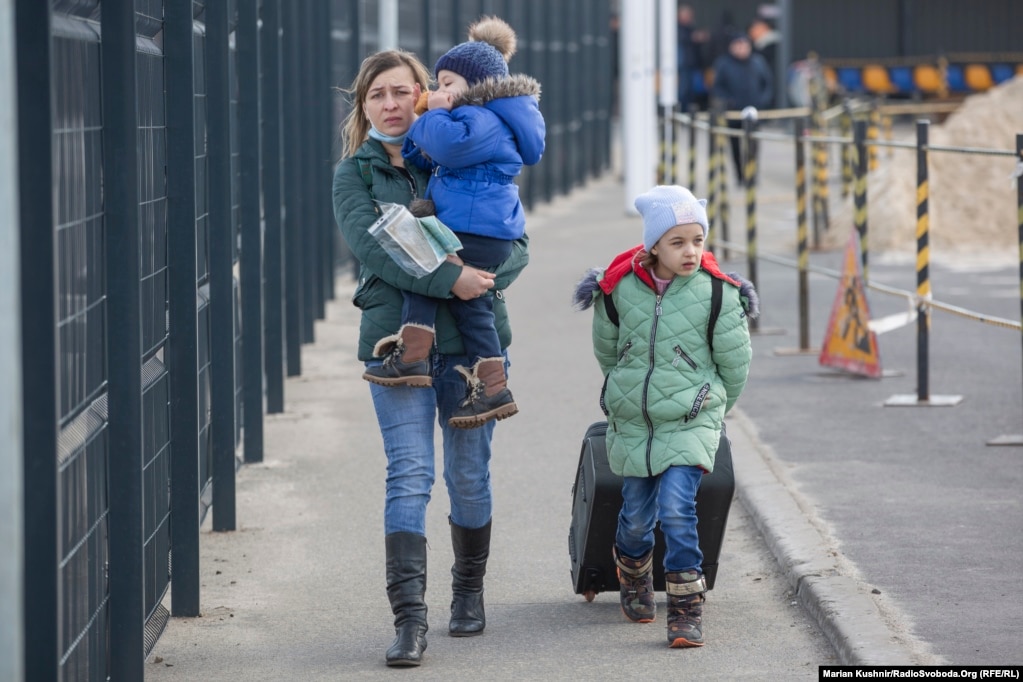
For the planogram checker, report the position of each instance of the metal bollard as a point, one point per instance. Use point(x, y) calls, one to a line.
point(749, 119)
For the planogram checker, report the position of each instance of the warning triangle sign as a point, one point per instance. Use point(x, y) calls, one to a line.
point(849, 343)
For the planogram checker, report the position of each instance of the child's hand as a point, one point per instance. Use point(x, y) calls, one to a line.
point(440, 100)
point(422, 104)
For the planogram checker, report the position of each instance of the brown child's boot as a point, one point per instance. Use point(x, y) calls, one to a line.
point(686, 591)
point(406, 358)
point(636, 577)
point(487, 396)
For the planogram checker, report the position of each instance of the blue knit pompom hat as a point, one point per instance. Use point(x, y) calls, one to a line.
point(666, 206)
point(492, 43)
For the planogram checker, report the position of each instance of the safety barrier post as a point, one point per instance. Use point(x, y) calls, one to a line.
point(692, 148)
point(860, 190)
point(923, 286)
point(724, 203)
point(847, 169)
point(749, 177)
point(712, 181)
point(1017, 439)
point(923, 274)
point(803, 253)
point(873, 133)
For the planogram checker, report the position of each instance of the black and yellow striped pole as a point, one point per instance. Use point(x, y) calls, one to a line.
point(749, 178)
point(874, 133)
point(712, 183)
point(724, 203)
point(692, 148)
point(802, 250)
point(923, 255)
point(1019, 214)
point(847, 169)
point(860, 189)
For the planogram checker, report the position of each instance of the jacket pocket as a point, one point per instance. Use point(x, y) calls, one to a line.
point(682, 355)
point(701, 395)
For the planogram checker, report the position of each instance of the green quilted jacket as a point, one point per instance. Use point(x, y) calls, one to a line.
point(665, 393)
point(381, 280)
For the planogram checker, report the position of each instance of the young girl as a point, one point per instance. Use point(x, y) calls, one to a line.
point(666, 392)
point(482, 126)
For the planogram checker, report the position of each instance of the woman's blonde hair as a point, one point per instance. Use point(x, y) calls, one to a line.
point(355, 127)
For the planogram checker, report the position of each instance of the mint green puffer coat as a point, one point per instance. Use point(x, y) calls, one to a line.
point(665, 394)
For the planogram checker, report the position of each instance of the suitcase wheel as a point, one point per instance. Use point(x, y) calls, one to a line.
point(589, 594)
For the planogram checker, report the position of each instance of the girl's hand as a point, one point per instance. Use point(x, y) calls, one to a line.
point(472, 283)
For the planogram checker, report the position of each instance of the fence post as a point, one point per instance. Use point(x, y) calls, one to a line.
point(749, 176)
point(182, 347)
point(251, 258)
point(273, 246)
point(38, 299)
point(124, 335)
point(222, 407)
point(847, 153)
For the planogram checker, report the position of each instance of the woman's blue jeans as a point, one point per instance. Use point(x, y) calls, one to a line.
point(406, 418)
point(670, 498)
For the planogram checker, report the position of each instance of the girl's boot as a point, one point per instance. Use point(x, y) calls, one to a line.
point(636, 577)
point(686, 591)
point(487, 396)
point(472, 549)
point(406, 590)
point(406, 358)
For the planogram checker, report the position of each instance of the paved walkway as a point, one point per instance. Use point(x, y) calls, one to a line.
point(859, 533)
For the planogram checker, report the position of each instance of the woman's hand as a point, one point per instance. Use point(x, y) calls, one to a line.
point(472, 283)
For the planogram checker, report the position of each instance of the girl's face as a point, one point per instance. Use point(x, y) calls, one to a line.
point(390, 100)
point(449, 81)
point(679, 251)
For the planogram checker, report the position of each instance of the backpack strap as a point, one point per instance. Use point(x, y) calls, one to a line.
point(716, 294)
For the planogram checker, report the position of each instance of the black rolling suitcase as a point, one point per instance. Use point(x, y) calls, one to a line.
point(597, 499)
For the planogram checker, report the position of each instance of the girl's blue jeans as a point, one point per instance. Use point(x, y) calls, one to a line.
point(670, 498)
point(406, 417)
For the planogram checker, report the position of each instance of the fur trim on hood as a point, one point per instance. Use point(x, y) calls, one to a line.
point(605, 280)
point(490, 89)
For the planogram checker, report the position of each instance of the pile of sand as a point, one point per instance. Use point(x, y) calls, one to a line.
point(972, 196)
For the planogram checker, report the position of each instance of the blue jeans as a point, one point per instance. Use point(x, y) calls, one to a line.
point(670, 498)
point(406, 419)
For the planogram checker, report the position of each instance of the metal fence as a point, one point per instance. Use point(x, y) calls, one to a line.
point(177, 247)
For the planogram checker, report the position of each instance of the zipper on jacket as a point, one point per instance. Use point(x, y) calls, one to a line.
point(625, 350)
point(646, 386)
point(682, 355)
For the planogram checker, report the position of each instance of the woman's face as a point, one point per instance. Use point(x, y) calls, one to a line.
point(390, 99)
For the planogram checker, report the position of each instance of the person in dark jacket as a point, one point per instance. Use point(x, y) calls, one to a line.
point(482, 126)
point(742, 79)
point(384, 93)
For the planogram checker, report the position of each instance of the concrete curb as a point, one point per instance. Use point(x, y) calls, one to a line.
point(826, 585)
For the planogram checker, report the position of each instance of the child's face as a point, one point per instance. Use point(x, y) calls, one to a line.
point(449, 81)
point(679, 251)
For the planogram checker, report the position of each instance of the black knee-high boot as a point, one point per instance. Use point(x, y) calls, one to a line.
point(406, 589)
point(472, 548)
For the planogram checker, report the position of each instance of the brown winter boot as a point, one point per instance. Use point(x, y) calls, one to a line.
point(406, 358)
point(636, 577)
point(487, 396)
point(685, 608)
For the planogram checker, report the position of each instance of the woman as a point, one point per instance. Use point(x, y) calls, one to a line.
point(384, 93)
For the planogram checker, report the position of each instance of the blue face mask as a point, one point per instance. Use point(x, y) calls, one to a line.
point(387, 139)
